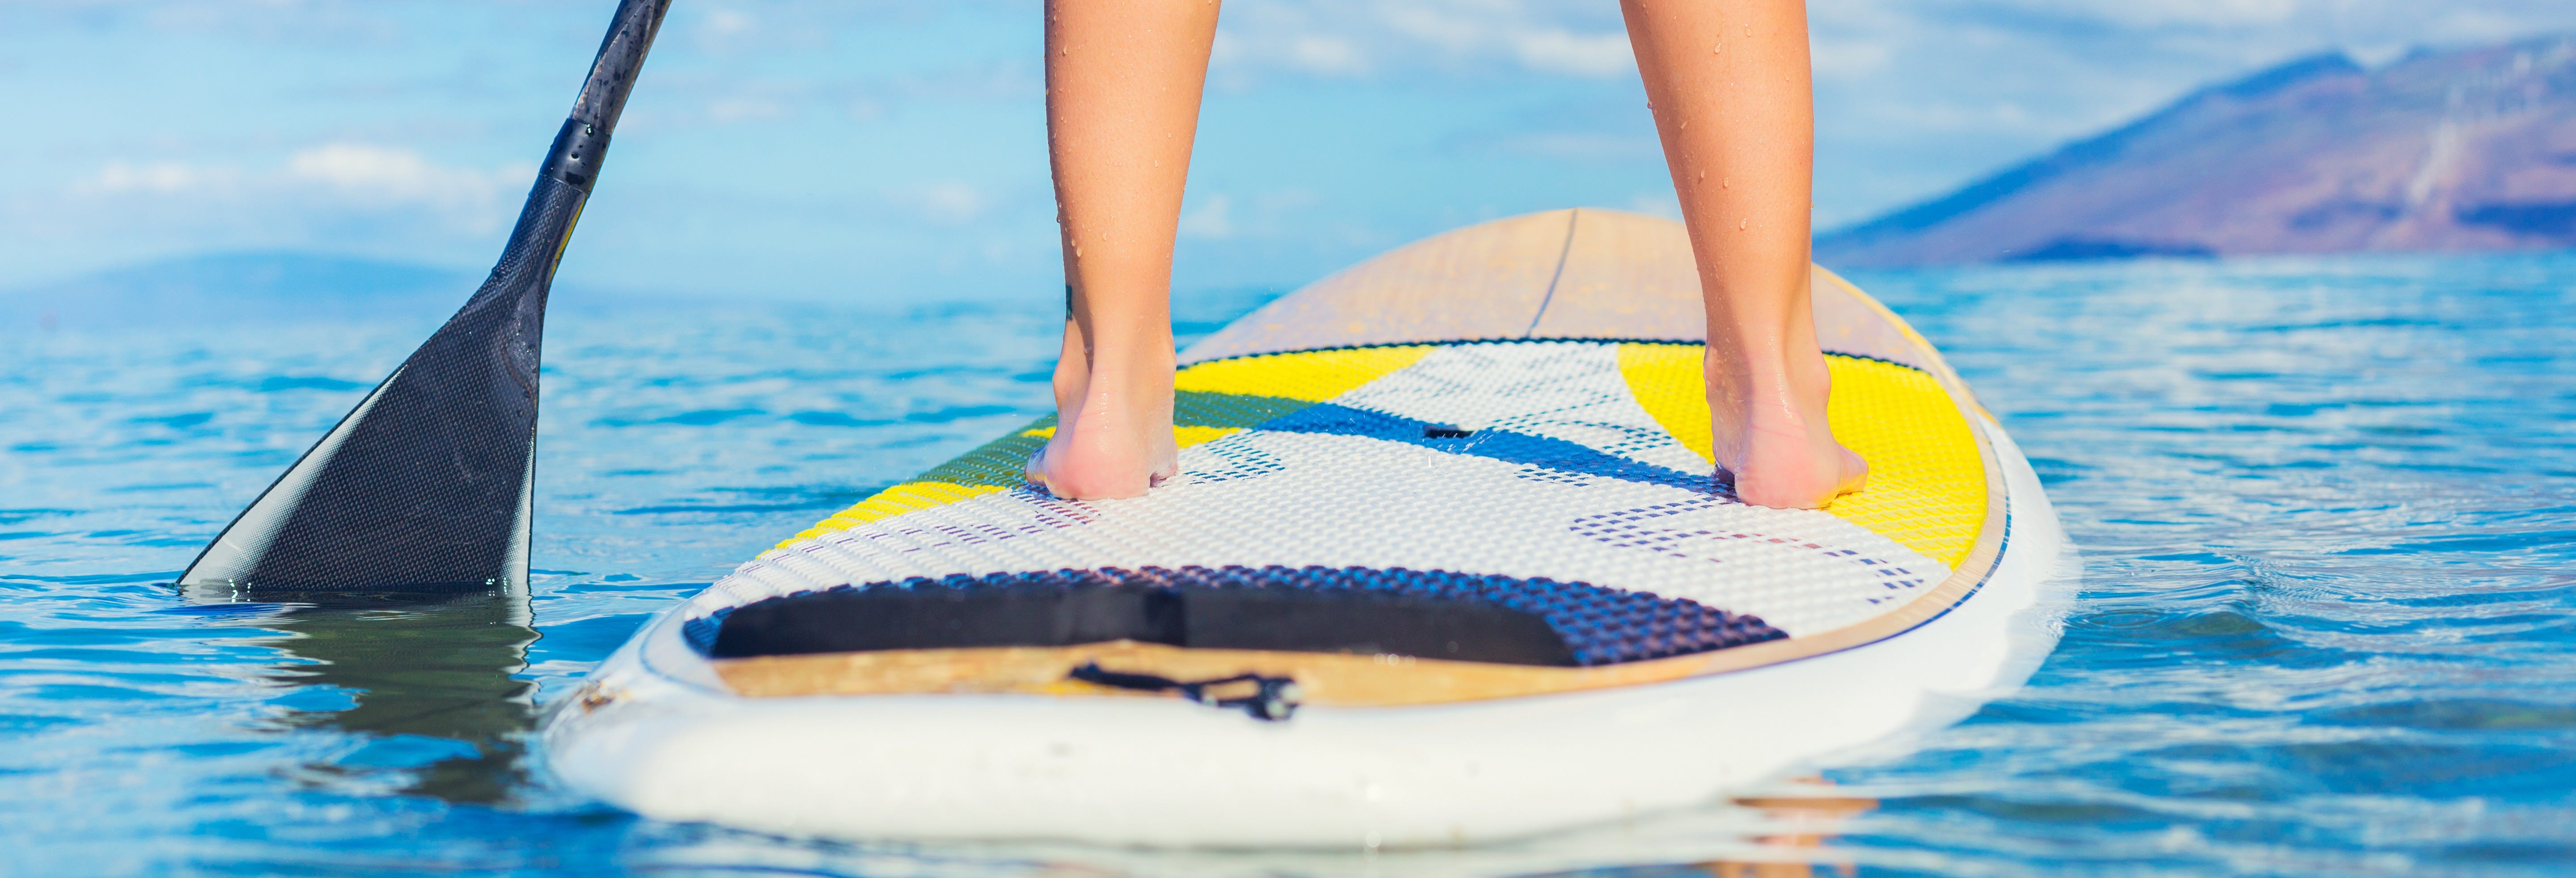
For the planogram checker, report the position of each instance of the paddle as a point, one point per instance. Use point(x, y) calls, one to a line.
point(426, 485)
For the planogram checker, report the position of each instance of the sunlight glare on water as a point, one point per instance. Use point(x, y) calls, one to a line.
point(2325, 508)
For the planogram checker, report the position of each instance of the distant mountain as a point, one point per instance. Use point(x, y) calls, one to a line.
point(2461, 150)
point(227, 288)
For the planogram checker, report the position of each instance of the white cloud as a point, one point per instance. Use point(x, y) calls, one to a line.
point(1885, 42)
point(117, 177)
point(723, 22)
point(367, 175)
point(1633, 143)
point(1210, 220)
point(702, 98)
point(1352, 38)
point(2168, 13)
point(1580, 54)
point(320, 182)
point(1845, 58)
point(340, 22)
point(685, 99)
point(738, 109)
point(949, 203)
point(1326, 55)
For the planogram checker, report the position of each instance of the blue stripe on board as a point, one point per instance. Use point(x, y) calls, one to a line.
point(1503, 445)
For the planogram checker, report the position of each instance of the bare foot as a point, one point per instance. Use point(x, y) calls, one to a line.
point(1113, 435)
point(1123, 81)
point(1772, 438)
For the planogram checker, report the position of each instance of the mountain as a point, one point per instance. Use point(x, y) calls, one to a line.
point(2463, 150)
point(228, 288)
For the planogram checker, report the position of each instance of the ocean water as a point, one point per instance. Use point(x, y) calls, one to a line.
point(2327, 509)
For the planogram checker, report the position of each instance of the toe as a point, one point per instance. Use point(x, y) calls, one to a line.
point(1035, 473)
point(1855, 472)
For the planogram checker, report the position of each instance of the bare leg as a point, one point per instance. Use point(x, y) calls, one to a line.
point(1123, 82)
point(1730, 86)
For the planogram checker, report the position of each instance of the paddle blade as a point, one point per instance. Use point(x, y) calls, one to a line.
point(426, 486)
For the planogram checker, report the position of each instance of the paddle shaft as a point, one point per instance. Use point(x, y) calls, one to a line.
point(581, 144)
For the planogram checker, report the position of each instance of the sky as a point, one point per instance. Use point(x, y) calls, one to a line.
point(856, 150)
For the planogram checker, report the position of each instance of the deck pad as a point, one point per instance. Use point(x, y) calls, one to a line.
point(1565, 480)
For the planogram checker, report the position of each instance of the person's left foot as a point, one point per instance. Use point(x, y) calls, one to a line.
point(1113, 434)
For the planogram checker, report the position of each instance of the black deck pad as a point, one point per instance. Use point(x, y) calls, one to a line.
point(1356, 610)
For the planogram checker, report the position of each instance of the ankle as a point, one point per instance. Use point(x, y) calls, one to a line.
point(1132, 374)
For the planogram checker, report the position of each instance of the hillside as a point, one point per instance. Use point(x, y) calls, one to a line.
point(276, 287)
point(2462, 150)
point(230, 288)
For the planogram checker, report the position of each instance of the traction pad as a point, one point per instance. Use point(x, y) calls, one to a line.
point(1429, 614)
point(1537, 503)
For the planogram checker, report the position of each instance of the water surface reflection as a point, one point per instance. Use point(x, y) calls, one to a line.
point(428, 681)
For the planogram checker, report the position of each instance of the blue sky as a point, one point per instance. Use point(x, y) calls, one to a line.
point(894, 151)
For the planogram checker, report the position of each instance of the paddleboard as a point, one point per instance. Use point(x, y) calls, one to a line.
point(1446, 563)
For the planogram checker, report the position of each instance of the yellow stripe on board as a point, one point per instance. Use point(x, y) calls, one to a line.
point(1927, 486)
point(1312, 376)
point(1307, 376)
point(1666, 380)
point(894, 501)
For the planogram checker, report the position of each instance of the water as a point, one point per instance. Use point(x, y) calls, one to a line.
point(2325, 626)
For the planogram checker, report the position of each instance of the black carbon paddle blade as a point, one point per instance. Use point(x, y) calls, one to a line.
point(426, 485)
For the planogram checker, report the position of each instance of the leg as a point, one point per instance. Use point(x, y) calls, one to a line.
point(1123, 81)
point(1729, 84)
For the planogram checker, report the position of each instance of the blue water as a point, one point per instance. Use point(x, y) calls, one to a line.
point(2328, 509)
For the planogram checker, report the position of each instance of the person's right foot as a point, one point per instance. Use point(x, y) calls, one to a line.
point(1772, 437)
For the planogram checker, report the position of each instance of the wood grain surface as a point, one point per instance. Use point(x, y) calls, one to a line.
point(1577, 273)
